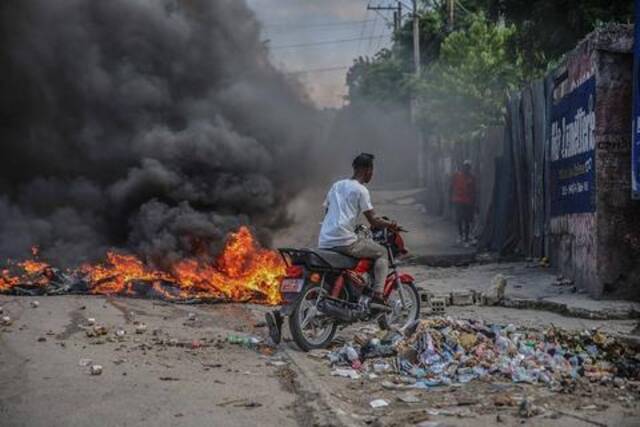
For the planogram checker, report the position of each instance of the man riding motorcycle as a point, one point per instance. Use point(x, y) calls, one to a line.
point(345, 201)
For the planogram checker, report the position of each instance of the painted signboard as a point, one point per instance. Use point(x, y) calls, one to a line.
point(635, 139)
point(573, 121)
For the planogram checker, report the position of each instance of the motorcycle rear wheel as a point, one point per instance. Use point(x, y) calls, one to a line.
point(310, 329)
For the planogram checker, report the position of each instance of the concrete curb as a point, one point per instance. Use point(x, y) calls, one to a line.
point(564, 309)
point(327, 413)
point(448, 260)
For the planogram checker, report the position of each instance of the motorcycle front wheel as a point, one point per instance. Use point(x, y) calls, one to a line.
point(311, 329)
point(406, 308)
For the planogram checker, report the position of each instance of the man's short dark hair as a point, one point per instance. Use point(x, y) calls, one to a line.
point(363, 161)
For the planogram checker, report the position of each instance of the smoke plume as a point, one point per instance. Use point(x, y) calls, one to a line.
point(155, 126)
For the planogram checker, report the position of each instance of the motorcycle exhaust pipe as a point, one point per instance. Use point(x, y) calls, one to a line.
point(380, 307)
point(344, 314)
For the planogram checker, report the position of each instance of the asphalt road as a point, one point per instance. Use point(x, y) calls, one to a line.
point(184, 372)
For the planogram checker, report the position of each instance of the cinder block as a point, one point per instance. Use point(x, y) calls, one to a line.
point(438, 305)
point(463, 298)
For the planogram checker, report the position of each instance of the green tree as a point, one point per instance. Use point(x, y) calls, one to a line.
point(464, 91)
point(549, 28)
point(381, 79)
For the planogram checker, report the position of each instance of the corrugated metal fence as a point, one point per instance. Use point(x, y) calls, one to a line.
point(518, 212)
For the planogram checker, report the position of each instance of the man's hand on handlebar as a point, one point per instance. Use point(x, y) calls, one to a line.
point(382, 222)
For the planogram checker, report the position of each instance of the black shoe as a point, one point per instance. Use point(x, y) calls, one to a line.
point(274, 322)
point(378, 299)
point(378, 304)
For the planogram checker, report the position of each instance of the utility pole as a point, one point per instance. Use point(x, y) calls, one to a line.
point(397, 14)
point(414, 100)
point(451, 5)
point(416, 38)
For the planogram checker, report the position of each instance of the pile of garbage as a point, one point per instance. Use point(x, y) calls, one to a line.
point(442, 351)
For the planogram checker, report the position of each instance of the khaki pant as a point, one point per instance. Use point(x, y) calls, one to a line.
point(367, 248)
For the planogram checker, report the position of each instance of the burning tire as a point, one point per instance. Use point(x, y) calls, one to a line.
point(311, 329)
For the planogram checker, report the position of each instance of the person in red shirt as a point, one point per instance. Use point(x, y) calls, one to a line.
point(463, 197)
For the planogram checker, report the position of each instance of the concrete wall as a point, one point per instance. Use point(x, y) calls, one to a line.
point(574, 183)
point(617, 215)
point(594, 249)
point(573, 247)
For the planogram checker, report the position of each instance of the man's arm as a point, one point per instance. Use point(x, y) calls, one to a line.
point(377, 222)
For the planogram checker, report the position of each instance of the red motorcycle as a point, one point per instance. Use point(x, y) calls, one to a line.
point(324, 289)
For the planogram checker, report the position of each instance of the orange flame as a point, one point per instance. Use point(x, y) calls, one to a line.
point(242, 272)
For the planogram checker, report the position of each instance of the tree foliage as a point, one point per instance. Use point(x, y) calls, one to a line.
point(494, 46)
point(549, 28)
point(380, 80)
point(464, 91)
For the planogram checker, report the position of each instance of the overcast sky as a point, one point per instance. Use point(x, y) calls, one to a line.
point(295, 22)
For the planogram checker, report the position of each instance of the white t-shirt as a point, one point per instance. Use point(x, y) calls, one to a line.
point(346, 200)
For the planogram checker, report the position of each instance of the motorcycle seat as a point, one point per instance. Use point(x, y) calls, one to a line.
point(336, 259)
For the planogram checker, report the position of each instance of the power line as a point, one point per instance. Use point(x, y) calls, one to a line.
point(325, 42)
point(330, 24)
point(319, 70)
point(461, 6)
point(371, 36)
point(363, 28)
point(352, 29)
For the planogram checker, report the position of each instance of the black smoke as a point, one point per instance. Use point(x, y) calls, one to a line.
point(155, 126)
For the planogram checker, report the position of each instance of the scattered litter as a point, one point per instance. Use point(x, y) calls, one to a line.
point(141, 328)
point(375, 349)
point(409, 398)
point(6, 321)
point(35, 304)
point(346, 373)
point(318, 354)
point(445, 351)
point(241, 403)
point(381, 366)
point(378, 403)
point(96, 331)
point(347, 354)
point(250, 341)
point(120, 332)
point(85, 362)
point(432, 424)
point(276, 363)
point(91, 321)
point(249, 404)
point(390, 386)
point(191, 316)
point(527, 409)
point(96, 369)
point(504, 400)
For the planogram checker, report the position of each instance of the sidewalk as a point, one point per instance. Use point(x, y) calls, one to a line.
point(528, 286)
point(442, 266)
